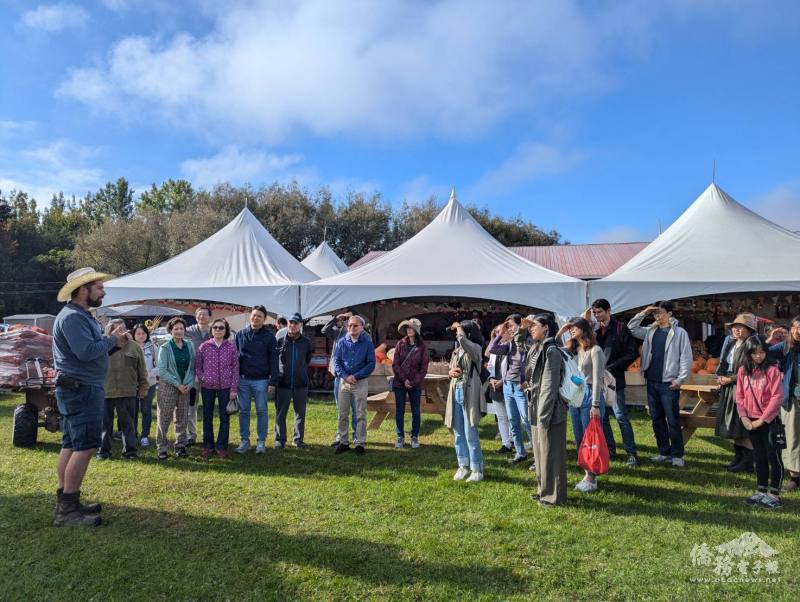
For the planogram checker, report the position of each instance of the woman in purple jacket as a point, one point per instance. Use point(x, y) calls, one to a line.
point(410, 365)
point(217, 370)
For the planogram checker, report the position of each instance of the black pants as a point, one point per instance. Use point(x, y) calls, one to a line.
point(125, 407)
point(769, 466)
point(298, 397)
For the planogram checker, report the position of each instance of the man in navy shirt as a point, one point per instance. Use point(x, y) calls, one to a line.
point(353, 361)
point(258, 375)
point(80, 357)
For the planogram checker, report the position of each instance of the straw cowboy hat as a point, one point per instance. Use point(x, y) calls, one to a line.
point(77, 279)
point(412, 323)
point(748, 320)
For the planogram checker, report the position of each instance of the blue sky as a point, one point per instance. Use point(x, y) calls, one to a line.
point(600, 120)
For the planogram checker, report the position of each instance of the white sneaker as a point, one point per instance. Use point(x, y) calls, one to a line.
point(586, 486)
point(660, 458)
point(461, 474)
point(414, 443)
point(475, 477)
point(678, 462)
point(145, 442)
point(279, 445)
point(400, 443)
point(260, 447)
point(244, 447)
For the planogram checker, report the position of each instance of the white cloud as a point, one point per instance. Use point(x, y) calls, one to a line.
point(621, 234)
point(41, 171)
point(116, 5)
point(780, 205)
point(422, 188)
point(529, 161)
point(11, 128)
point(237, 166)
point(267, 70)
point(55, 17)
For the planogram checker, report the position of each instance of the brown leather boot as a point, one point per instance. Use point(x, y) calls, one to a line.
point(68, 512)
point(90, 508)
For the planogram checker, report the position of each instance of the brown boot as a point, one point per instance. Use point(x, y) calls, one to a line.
point(68, 512)
point(91, 508)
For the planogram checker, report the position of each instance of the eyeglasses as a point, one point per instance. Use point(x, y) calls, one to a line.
point(218, 328)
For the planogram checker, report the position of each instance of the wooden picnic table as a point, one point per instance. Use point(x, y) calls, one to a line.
point(704, 400)
point(432, 401)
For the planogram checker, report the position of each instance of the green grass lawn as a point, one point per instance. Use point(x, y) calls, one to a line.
point(305, 524)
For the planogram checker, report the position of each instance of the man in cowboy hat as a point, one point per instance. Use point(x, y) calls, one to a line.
point(80, 357)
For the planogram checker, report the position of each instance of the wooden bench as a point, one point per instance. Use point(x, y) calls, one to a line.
point(432, 401)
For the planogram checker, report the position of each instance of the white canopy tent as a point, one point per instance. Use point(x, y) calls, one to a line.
point(324, 262)
point(137, 311)
point(716, 246)
point(240, 264)
point(453, 256)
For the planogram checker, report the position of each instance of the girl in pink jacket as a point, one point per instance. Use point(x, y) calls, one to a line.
point(759, 394)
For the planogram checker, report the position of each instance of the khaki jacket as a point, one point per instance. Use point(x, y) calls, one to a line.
point(545, 405)
point(473, 388)
point(127, 373)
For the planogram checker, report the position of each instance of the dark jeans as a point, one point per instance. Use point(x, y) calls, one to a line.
point(145, 406)
point(400, 410)
point(298, 397)
point(626, 430)
point(665, 413)
point(769, 464)
point(209, 398)
point(124, 407)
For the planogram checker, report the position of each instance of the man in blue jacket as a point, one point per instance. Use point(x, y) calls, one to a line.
point(353, 361)
point(258, 375)
point(80, 357)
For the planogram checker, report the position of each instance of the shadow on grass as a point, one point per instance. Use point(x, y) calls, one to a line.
point(127, 529)
point(693, 506)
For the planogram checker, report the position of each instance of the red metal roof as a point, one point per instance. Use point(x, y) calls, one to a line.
point(579, 261)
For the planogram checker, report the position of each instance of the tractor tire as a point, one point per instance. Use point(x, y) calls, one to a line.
point(25, 426)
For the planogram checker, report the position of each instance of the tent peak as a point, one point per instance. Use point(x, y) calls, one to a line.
point(452, 195)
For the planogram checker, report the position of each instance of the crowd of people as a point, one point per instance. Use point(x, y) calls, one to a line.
point(517, 376)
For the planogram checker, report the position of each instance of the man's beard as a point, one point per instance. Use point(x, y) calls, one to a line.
point(94, 302)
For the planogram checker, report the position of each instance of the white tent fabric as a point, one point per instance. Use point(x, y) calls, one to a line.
point(240, 264)
point(324, 262)
point(136, 311)
point(452, 256)
point(716, 246)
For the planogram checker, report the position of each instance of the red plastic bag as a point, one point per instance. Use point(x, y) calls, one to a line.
point(593, 452)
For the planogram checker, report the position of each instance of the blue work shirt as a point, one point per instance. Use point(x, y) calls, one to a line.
point(258, 354)
point(79, 348)
point(355, 358)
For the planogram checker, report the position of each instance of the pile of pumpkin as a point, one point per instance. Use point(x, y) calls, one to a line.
point(705, 366)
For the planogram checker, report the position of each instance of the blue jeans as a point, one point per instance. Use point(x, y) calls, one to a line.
point(209, 397)
point(580, 416)
point(626, 430)
point(467, 441)
point(517, 410)
point(665, 413)
point(248, 389)
point(145, 406)
point(337, 384)
point(414, 396)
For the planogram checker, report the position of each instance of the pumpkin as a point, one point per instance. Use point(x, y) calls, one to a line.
point(704, 372)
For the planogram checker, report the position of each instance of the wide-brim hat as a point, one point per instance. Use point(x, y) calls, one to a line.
point(412, 323)
point(748, 320)
point(77, 279)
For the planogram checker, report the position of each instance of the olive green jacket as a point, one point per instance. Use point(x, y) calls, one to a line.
point(127, 373)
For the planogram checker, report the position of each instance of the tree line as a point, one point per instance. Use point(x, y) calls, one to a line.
point(115, 231)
